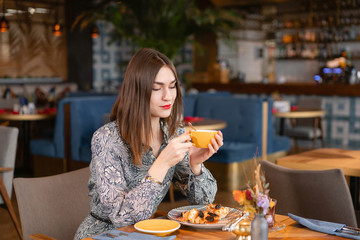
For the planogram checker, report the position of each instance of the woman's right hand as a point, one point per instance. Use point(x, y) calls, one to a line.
point(172, 154)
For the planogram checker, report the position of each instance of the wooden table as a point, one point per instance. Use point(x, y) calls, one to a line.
point(328, 158)
point(301, 114)
point(26, 119)
point(208, 124)
point(297, 114)
point(292, 231)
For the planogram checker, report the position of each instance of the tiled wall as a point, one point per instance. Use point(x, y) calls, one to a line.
point(244, 55)
point(341, 122)
point(107, 57)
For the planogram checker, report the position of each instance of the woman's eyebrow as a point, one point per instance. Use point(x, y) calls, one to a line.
point(161, 83)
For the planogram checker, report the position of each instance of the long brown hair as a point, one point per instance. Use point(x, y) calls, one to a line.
point(132, 107)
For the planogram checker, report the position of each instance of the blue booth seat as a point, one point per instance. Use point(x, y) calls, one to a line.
point(76, 120)
point(190, 100)
point(243, 133)
point(233, 164)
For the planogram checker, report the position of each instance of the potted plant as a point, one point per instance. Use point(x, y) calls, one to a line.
point(165, 25)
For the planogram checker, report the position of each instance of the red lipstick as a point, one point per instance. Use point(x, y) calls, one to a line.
point(166, 106)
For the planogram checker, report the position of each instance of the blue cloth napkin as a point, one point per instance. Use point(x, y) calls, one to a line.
point(121, 235)
point(323, 226)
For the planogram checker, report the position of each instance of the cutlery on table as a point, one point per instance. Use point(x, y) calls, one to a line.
point(230, 226)
point(326, 227)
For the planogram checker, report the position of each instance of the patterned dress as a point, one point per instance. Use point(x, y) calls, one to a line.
point(121, 193)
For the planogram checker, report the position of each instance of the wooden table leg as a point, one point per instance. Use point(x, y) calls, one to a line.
point(10, 208)
point(354, 190)
point(282, 126)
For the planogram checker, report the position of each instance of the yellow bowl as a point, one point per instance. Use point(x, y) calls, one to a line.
point(158, 227)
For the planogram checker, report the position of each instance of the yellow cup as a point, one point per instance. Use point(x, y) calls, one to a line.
point(202, 138)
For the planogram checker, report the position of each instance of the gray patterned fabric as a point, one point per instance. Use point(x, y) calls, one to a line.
point(121, 193)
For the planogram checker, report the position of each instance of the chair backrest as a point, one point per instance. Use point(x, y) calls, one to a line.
point(8, 144)
point(308, 103)
point(243, 116)
point(320, 194)
point(54, 205)
point(85, 117)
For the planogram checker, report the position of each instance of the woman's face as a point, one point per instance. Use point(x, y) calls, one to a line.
point(163, 93)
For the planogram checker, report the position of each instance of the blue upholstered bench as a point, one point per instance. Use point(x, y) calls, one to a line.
point(242, 135)
point(76, 120)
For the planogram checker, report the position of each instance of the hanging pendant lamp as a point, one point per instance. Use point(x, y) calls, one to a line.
point(94, 31)
point(4, 24)
point(57, 27)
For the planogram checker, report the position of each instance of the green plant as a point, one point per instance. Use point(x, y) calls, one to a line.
point(165, 25)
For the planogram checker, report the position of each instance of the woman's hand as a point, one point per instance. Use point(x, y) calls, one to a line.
point(200, 155)
point(172, 154)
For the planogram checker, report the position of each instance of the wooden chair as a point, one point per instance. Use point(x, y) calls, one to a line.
point(322, 194)
point(307, 128)
point(53, 207)
point(8, 144)
point(5, 123)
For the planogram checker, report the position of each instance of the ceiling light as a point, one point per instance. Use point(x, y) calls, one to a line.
point(57, 29)
point(94, 32)
point(4, 24)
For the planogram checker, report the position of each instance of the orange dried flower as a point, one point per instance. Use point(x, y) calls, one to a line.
point(239, 196)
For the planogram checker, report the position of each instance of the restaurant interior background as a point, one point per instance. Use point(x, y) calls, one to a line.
point(278, 43)
point(278, 49)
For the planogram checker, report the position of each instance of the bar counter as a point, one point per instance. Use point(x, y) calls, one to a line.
point(285, 88)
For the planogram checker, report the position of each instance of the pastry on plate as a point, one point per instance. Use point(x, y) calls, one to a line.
point(213, 213)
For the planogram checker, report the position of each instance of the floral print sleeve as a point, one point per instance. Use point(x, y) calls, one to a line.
point(123, 203)
point(121, 193)
point(199, 189)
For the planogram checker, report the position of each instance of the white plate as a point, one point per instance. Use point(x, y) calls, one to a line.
point(175, 214)
point(159, 227)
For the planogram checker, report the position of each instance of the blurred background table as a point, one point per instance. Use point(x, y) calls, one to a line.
point(26, 119)
point(328, 158)
point(297, 114)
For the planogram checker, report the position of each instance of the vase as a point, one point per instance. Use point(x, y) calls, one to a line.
point(259, 227)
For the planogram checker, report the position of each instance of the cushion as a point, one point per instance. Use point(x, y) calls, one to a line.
point(279, 143)
point(189, 105)
point(43, 147)
point(302, 132)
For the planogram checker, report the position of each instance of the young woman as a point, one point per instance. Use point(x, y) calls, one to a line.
point(137, 155)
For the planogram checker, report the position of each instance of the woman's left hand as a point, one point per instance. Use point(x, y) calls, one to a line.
point(200, 155)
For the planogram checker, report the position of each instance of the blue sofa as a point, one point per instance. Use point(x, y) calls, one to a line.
point(76, 120)
point(243, 133)
point(233, 165)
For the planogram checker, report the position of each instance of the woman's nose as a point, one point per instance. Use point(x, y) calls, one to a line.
point(167, 94)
